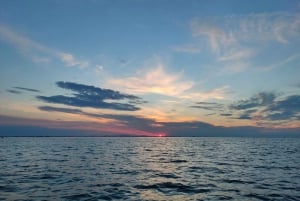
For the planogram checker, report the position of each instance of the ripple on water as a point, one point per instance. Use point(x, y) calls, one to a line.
point(236, 181)
point(80, 196)
point(178, 161)
point(8, 188)
point(167, 175)
point(170, 187)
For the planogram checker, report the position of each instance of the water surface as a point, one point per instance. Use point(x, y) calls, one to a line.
point(90, 168)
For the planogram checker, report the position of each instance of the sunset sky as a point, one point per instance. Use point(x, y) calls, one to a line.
point(150, 68)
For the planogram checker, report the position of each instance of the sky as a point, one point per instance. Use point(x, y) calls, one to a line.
point(150, 68)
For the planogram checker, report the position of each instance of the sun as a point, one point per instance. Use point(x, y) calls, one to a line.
point(161, 135)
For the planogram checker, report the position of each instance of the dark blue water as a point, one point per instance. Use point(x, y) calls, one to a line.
point(149, 169)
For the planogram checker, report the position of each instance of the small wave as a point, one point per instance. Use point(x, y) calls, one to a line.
point(109, 184)
point(8, 189)
point(167, 186)
point(178, 161)
point(207, 169)
point(78, 196)
point(257, 196)
point(117, 194)
point(224, 197)
point(167, 175)
point(148, 149)
point(236, 181)
point(47, 176)
point(104, 197)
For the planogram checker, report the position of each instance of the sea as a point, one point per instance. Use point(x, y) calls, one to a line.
point(150, 168)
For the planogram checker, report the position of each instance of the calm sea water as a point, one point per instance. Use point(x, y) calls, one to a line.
point(87, 168)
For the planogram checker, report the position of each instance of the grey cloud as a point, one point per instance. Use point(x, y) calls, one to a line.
point(270, 108)
point(207, 106)
point(247, 114)
point(13, 91)
point(260, 99)
point(27, 89)
point(226, 114)
point(58, 109)
point(15, 126)
point(130, 120)
point(94, 97)
point(289, 108)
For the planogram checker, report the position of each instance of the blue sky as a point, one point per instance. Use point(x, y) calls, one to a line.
point(150, 67)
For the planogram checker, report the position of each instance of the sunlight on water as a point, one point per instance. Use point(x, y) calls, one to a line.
point(149, 169)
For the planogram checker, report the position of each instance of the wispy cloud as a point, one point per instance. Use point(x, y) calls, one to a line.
point(13, 91)
point(27, 89)
point(223, 32)
point(70, 60)
point(156, 80)
point(237, 55)
point(231, 39)
point(218, 93)
point(284, 62)
point(99, 69)
point(37, 51)
point(217, 37)
point(19, 90)
point(207, 105)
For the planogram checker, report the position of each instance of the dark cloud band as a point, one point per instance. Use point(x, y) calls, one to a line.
point(94, 97)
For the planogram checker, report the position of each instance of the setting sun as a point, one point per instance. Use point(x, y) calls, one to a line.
point(161, 135)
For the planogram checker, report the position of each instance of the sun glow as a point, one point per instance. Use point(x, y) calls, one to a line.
point(161, 135)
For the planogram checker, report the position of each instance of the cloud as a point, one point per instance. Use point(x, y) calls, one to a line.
point(58, 109)
point(256, 103)
point(229, 31)
point(27, 89)
point(14, 126)
point(129, 121)
point(13, 91)
point(266, 106)
point(237, 55)
point(36, 51)
point(94, 97)
point(226, 114)
point(260, 99)
point(156, 81)
point(98, 69)
point(70, 60)
point(236, 40)
point(286, 109)
point(23, 89)
point(247, 114)
point(207, 106)
point(218, 93)
point(217, 37)
point(197, 128)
